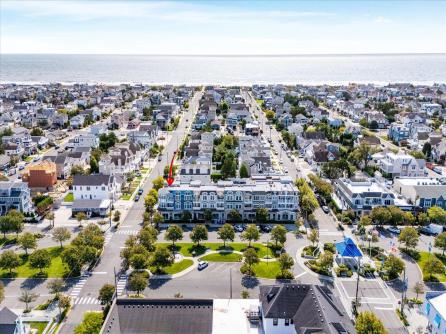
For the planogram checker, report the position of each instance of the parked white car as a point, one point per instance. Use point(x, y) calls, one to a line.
point(202, 264)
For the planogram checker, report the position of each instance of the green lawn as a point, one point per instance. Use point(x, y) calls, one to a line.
point(56, 269)
point(222, 257)
point(69, 198)
point(266, 270)
point(39, 326)
point(422, 260)
point(7, 241)
point(29, 158)
point(176, 267)
point(126, 197)
point(186, 248)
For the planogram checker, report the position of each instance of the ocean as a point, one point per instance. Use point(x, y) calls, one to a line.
point(224, 70)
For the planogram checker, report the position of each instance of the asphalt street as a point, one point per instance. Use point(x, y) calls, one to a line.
point(110, 260)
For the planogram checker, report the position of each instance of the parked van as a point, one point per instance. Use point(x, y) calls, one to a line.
point(432, 229)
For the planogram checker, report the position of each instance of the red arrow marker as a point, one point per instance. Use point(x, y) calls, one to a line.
point(170, 179)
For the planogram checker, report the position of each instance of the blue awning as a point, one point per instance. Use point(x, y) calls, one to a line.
point(348, 248)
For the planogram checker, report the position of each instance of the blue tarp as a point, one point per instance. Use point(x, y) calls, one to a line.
point(348, 248)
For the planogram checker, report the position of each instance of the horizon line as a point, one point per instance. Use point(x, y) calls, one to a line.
point(229, 55)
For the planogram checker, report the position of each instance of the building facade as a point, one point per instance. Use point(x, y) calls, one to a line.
point(279, 196)
point(14, 195)
point(42, 175)
point(435, 310)
point(402, 165)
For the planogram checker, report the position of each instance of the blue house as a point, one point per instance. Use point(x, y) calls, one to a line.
point(398, 132)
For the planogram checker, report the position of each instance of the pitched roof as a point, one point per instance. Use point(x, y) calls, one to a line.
point(7, 321)
point(313, 308)
point(91, 180)
point(160, 316)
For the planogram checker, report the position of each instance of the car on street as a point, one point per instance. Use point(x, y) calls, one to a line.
point(202, 264)
point(266, 228)
point(285, 170)
point(136, 198)
point(160, 157)
point(394, 230)
point(238, 228)
point(140, 191)
point(325, 209)
point(431, 229)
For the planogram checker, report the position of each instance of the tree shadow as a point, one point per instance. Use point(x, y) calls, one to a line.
point(156, 283)
point(249, 282)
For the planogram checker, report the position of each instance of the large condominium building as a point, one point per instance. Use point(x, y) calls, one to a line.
point(278, 195)
point(362, 194)
point(14, 195)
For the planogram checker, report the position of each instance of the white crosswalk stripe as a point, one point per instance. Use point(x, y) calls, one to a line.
point(86, 301)
point(120, 286)
point(78, 286)
point(127, 232)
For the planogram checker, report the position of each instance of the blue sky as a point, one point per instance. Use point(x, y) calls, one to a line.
point(222, 27)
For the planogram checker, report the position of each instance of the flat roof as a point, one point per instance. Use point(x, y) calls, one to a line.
point(229, 316)
point(439, 303)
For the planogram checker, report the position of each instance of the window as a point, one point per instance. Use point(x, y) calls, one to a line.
point(437, 320)
point(428, 308)
point(275, 321)
point(287, 322)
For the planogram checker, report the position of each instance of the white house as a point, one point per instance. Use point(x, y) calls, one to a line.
point(85, 140)
point(435, 310)
point(94, 187)
point(402, 165)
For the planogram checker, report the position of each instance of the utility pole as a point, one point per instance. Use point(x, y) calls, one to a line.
point(230, 283)
point(357, 284)
point(403, 292)
point(116, 283)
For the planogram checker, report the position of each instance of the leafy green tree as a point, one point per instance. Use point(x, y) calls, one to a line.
point(199, 233)
point(313, 237)
point(207, 215)
point(150, 202)
point(381, 216)
point(9, 260)
point(138, 282)
point(368, 323)
point(270, 115)
point(80, 217)
point(61, 234)
point(27, 297)
point(234, 216)
point(162, 257)
point(409, 237)
point(50, 216)
point(243, 172)
point(262, 215)
point(440, 241)
point(40, 259)
point(433, 266)
point(278, 234)
point(16, 221)
point(393, 265)
point(437, 215)
point(186, 216)
point(148, 237)
point(94, 165)
point(285, 262)
point(251, 234)
point(427, 150)
point(418, 288)
point(55, 286)
point(73, 258)
point(37, 132)
point(225, 233)
point(174, 233)
point(106, 294)
point(158, 183)
point(138, 261)
point(91, 324)
point(229, 165)
point(64, 303)
point(250, 258)
point(423, 219)
point(325, 260)
point(157, 218)
point(5, 225)
point(27, 241)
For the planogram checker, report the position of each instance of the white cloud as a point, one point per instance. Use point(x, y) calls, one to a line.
point(382, 20)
